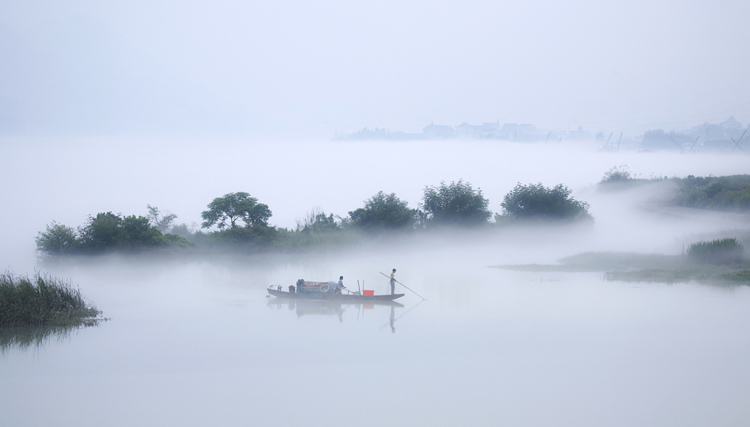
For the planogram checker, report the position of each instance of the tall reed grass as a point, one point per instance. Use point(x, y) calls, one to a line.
point(41, 300)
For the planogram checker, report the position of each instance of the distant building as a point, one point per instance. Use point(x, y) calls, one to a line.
point(434, 131)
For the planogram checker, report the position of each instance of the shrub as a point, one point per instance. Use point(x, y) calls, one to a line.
point(57, 239)
point(720, 251)
point(455, 204)
point(720, 193)
point(616, 174)
point(535, 201)
point(383, 212)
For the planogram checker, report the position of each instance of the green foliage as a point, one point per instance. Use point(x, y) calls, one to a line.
point(455, 204)
point(617, 174)
point(720, 193)
point(57, 239)
point(535, 201)
point(383, 212)
point(102, 233)
point(248, 238)
point(41, 300)
point(106, 232)
point(720, 251)
point(317, 221)
point(737, 276)
point(225, 211)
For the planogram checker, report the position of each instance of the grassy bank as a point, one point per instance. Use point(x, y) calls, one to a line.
point(632, 267)
point(42, 300)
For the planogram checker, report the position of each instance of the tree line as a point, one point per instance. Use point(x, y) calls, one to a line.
point(242, 221)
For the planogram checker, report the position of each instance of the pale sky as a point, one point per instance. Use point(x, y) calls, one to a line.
point(311, 68)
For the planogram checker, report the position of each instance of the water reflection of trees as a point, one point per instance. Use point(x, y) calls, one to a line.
point(25, 337)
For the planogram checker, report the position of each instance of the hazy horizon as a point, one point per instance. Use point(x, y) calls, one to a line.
point(296, 69)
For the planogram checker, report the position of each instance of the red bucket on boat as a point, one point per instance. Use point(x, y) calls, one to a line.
point(369, 293)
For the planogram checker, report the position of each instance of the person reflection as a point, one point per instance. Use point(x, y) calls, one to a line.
point(393, 319)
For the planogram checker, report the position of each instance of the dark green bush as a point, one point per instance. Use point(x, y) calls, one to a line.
point(537, 202)
point(383, 212)
point(457, 204)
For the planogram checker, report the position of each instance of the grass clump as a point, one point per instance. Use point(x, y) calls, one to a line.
point(720, 251)
point(42, 300)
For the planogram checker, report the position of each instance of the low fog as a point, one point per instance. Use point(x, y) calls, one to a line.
point(67, 180)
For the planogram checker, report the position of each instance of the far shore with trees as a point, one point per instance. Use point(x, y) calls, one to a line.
point(241, 222)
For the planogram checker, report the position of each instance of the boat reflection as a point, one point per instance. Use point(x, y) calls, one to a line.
point(312, 307)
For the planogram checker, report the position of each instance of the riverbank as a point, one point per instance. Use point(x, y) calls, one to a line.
point(636, 267)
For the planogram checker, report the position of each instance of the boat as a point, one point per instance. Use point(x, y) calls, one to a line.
point(371, 299)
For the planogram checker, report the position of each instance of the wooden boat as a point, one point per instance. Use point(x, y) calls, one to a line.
point(371, 299)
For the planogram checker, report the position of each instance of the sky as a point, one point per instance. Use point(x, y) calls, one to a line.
point(309, 69)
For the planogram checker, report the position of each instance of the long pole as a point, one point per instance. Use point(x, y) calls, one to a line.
point(423, 298)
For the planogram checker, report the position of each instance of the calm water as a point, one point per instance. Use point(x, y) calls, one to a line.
point(197, 342)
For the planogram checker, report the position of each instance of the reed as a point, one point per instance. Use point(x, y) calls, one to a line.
point(42, 300)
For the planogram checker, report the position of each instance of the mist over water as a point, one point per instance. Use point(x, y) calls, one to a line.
point(195, 340)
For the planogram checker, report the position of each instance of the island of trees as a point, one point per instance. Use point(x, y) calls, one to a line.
point(239, 221)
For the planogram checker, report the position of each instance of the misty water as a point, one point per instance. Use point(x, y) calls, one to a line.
point(196, 340)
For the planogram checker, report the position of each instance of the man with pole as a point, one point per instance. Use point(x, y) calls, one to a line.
point(394, 281)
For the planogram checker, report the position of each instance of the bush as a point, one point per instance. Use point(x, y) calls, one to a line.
point(383, 212)
point(317, 221)
point(106, 232)
point(720, 251)
point(41, 300)
point(455, 204)
point(720, 193)
point(535, 201)
point(616, 174)
point(57, 239)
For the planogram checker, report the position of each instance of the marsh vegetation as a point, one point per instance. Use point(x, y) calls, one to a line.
point(42, 300)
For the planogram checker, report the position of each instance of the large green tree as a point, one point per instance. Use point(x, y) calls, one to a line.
point(535, 201)
point(225, 211)
point(457, 203)
point(383, 212)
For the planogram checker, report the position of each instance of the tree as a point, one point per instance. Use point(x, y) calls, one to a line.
point(383, 212)
point(103, 232)
point(535, 201)
point(455, 204)
point(57, 239)
point(163, 223)
point(227, 210)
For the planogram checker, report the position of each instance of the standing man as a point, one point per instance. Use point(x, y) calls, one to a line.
point(340, 285)
point(393, 282)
